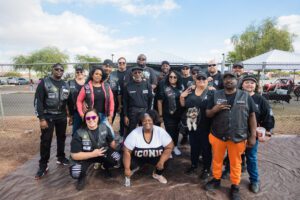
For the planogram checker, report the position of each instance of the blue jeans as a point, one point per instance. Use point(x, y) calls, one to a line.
point(252, 166)
point(104, 120)
point(77, 122)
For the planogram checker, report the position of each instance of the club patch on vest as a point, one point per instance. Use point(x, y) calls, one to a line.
point(132, 92)
point(240, 102)
point(145, 91)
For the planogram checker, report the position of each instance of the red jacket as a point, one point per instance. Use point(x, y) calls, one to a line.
point(109, 107)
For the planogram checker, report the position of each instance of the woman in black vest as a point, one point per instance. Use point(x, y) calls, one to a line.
point(93, 143)
point(195, 101)
point(169, 108)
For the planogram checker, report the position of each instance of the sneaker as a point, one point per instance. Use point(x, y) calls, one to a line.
point(235, 192)
point(205, 174)
point(191, 170)
point(41, 172)
point(254, 187)
point(160, 178)
point(135, 170)
point(62, 161)
point(225, 174)
point(213, 184)
point(81, 183)
point(176, 151)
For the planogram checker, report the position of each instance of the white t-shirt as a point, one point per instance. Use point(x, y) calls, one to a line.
point(136, 142)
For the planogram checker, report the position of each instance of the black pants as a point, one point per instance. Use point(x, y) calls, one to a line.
point(173, 130)
point(136, 162)
point(60, 126)
point(199, 142)
point(133, 116)
point(108, 161)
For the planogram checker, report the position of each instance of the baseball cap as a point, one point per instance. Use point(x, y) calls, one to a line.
point(78, 68)
point(229, 74)
point(201, 74)
point(238, 64)
point(249, 77)
point(165, 62)
point(136, 68)
point(108, 62)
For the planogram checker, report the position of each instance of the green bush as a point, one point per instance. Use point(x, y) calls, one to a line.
point(12, 74)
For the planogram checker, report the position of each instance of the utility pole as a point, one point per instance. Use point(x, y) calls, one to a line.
point(223, 63)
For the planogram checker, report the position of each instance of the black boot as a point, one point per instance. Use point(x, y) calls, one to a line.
point(41, 172)
point(254, 187)
point(81, 183)
point(235, 192)
point(213, 184)
point(191, 170)
point(204, 174)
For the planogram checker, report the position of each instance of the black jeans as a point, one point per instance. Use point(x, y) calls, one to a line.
point(136, 162)
point(173, 130)
point(133, 116)
point(60, 126)
point(199, 142)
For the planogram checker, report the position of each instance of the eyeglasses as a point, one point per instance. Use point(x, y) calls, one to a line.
point(79, 72)
point(173, 77)
point(200, 78)
point(142, 59)
point(59, 69)
point(213, 65)
point(91, 118)
point(122, 63)
point(137, 72)
point(194, 73)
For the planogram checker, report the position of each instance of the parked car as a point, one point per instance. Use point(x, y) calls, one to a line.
point(281, 83)
point(3, 80)
point(23, 81)
point(12, 80)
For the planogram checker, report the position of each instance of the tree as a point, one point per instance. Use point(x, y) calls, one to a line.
point(256, 40)
point(35, 61)
point(87, 59)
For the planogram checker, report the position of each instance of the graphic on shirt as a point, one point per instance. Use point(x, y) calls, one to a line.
point(148, 152)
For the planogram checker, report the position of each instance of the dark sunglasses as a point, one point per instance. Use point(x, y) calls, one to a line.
point(213, 65)
point(122, 63)
point(194, 73)
point(59, 69)
point(173, 77)
point(142, 59)
point(201, 78)
point(91, 118)
point(137, 72)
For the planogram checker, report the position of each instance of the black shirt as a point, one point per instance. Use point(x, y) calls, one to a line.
point(264, 114)
point(192, 100)
point(187, 81)
point(40, 101)
point(73, 96)
point(76, 143)
point(99, 99)
point(217, 81)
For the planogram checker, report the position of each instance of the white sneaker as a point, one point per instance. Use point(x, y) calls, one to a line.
point(176, 151)
point(160, 178)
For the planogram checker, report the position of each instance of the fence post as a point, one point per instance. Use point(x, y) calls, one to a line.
point(2, 111)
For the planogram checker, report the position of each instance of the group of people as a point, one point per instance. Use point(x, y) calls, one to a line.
point(218, 112)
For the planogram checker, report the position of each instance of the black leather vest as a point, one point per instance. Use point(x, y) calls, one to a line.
point(232, 124)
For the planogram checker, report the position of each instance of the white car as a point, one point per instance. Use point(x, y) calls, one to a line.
point(12, 81)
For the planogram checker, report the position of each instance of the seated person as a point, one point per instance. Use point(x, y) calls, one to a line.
point(147, 144)
point(93, 143)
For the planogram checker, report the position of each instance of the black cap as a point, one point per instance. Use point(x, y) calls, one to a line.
point(229, 74)
point(196, 69)
point(238, 64)
point(186, 66)
point(108, 62)
point(201, 74)
point(165, 62)
point(58, 65)
point(136, 68)
point(78, 68)
point(249, 77)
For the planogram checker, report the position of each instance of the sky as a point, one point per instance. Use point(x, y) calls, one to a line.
point(173, 30)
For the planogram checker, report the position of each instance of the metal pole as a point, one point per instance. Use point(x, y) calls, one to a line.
point(223, 64)
point(2, 111)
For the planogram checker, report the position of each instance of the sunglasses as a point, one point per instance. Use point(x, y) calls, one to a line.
point(173, 77)
point(194, 73)
point(137, 72)
point(213, 65)
point(91, 118)
point(201, 78)
point(185, 68)
point(142, 59)
point(121, 63)
point(59, 69)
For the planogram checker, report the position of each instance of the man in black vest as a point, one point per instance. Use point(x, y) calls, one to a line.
point(234, 123)
point(137, 98)
point(50, 105)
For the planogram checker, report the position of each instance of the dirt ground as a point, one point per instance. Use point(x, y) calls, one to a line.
point(19, 136)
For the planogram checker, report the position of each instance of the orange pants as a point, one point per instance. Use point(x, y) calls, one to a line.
point(235, 151)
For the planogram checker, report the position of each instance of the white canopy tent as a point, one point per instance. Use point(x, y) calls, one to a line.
point(275, 59)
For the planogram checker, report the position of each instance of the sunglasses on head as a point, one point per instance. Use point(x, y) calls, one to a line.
point(91, 118)
point(212, 65)
point(121, 63)
point(59, 69)
point(200, 78)
point(173, 77)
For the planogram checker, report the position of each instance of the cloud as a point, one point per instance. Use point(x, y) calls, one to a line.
point(292, 24)
point(133, 7)
point(29, 28)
